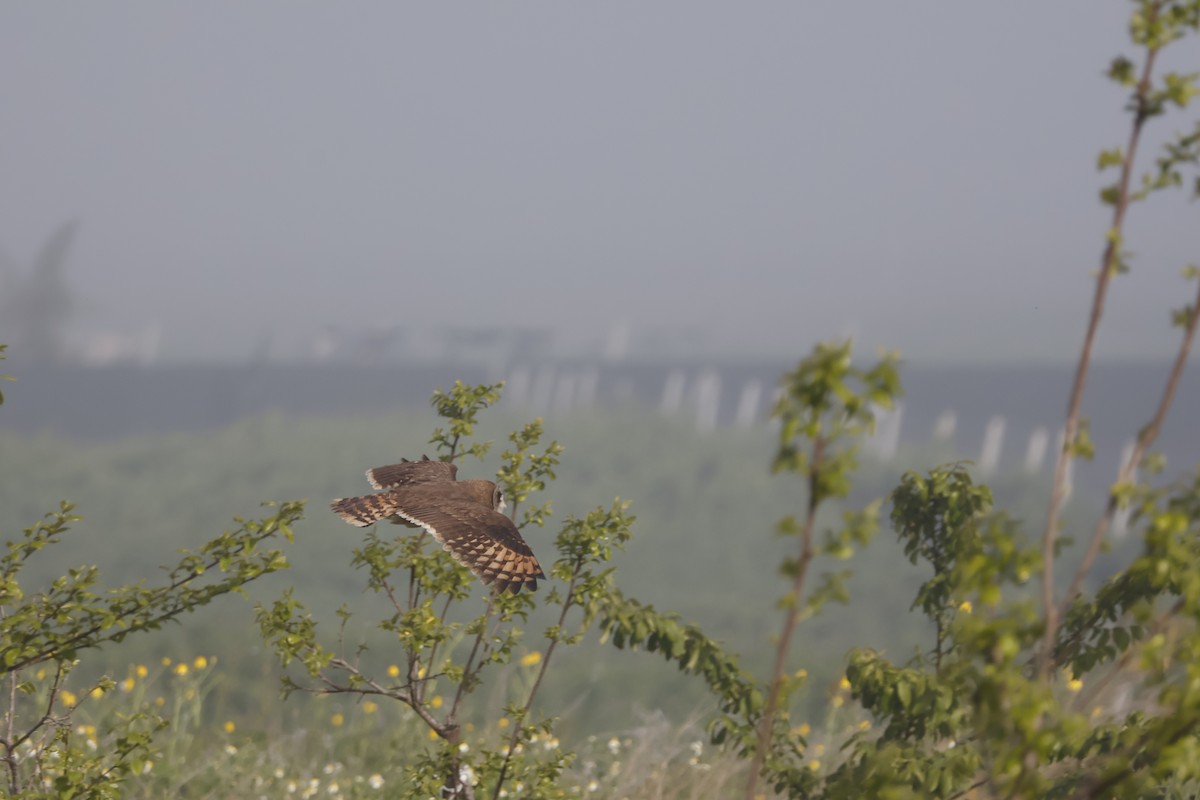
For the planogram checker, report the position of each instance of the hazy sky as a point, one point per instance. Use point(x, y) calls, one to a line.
point(921, 174)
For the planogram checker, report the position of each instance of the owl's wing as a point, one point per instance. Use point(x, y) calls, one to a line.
point(482, 540)
point(407, 473)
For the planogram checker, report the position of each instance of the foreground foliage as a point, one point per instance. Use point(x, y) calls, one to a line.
point(1021, 689)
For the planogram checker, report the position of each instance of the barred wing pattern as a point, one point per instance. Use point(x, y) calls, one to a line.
point(409, 473)
point(462, 516)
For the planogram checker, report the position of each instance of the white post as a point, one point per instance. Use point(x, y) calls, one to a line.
point(672, 395)
point(1121, 519)
point(747, 407)
point(887, 431)
point(516, 388)
point(945, 425)
point(564, 394)
point(993, 441)
point(708, 400)
point(1035, 453)
point(543, 387)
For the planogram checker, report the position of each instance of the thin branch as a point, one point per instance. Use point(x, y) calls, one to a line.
point(84, 638)
point(445, 730)
point(1084, 699)
point(1098, 788)
point(10, 719)
point(533, 690)
point(1145, 439)
point(433, 650)
point(1108, 265)
point(467, 669)
point(806, 554)
point(976, 785)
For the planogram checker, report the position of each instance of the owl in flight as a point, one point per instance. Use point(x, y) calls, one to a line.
point(466, 517)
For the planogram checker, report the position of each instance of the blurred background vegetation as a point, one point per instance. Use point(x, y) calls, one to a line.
point(704, 546)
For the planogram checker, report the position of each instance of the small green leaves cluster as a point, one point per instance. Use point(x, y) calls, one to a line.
point(460, 408)
point(440, 658)
point(46, 631)
point(825, 404)
point(1154, 25)
point(524, 472)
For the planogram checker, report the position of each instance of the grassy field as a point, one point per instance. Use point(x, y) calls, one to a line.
point(704, 546)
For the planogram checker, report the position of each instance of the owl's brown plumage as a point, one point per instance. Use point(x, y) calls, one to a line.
point(464, 516)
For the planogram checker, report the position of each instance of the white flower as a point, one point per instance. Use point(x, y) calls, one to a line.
point(230, 750)
point(467, 775)
point(614, 745)
point(464, 747)
point(278, 772)
point(593, 786)
point(697, 748)
point(551, 743)
point(376, 781)
point(333, 788)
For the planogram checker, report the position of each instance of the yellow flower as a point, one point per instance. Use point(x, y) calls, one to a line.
point(844, 684)
point(436, 701)
point(181, 669)
point(158, 701)
point(97, 692)
point(141, 671)
point(229, 726)
point(819, 750)
point(800, 674)
point(966, 607)
point(1097, 711)
point(69, 699)
point(166, 662)
point(838, 701)
point(420, 671)
point(370, 707)
point(1074, 685)
point(470, 726)
point(530, 659)
point(337, 720)
point(41, 674)
point(200, 663)
point(803, 729)
point(815, 764)
point(865, 725)
point(127, 685)
point(502, 723)
point(393, 671)
point(432, 735)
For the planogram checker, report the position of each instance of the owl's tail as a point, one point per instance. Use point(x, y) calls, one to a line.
point(364, 511)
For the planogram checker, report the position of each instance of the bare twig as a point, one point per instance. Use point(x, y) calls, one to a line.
point(767, 723)
point(1108, 266)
